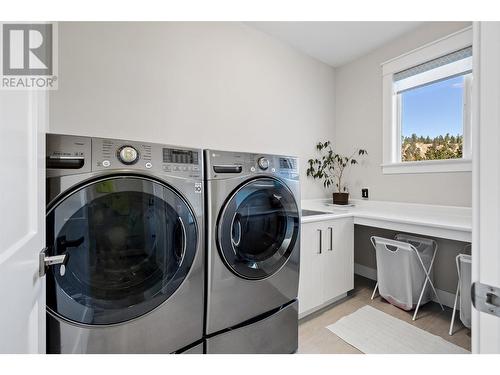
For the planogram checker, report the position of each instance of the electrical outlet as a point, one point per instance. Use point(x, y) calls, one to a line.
point(364, 193)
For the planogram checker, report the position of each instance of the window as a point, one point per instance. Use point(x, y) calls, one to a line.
point(427, 101)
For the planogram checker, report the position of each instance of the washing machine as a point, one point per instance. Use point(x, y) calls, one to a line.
point(124, 259)
point(253, 251)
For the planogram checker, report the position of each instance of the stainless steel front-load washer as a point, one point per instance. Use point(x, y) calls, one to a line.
point(125, 229)
point(253, 250)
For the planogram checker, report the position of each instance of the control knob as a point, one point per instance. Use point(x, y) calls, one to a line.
point(128, 155)
point(263, 163)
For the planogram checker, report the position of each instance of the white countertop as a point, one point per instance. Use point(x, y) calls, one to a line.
point(450, 222)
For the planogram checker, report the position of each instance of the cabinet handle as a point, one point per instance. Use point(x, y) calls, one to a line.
point(331, 238)
point(320, 242)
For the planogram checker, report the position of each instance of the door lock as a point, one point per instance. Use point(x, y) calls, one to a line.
point(486, 298)
point(46, 261)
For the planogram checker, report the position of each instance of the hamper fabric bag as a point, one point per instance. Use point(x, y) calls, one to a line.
point(465, 289)
point(400, 272)
point(463, 294)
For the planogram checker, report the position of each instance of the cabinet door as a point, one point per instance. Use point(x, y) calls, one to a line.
point(311, 249)
point(344, 239)
point(338, 264)
point(333, 273)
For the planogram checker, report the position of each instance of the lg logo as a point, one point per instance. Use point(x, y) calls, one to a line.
point(27, 49)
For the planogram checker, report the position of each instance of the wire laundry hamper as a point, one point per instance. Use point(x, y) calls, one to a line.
point(404, 270)
point(464, 269)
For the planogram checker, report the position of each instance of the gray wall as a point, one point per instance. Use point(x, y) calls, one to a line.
point(212, 85)
point(445, 270)
point(359, 124)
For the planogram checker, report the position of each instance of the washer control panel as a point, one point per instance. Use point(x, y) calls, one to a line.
point(67, 154)
point(117, 154)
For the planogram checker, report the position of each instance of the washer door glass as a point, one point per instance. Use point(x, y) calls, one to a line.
point(131, 242)
point(258, 228)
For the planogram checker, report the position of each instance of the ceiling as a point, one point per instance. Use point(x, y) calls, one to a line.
point(335, 42)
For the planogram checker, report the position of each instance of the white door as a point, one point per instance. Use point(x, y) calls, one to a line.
point(22, 221)
point(486, 179)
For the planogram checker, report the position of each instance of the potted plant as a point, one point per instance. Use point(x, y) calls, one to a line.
point(330, 167)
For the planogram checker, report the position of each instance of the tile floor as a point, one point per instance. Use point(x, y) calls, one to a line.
point(314, 338)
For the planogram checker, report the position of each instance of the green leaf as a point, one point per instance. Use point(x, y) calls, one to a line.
point(328, 166)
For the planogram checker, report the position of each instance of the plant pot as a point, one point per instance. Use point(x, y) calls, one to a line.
point(340, 198)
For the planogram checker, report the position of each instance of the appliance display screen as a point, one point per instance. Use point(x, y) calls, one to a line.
point(287, 163)
point(171, 155)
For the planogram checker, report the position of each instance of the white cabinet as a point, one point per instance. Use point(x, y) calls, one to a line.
point(326, 262)
point(311, 280)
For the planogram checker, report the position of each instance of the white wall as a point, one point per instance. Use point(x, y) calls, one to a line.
point(208, 85)
point(359, 124)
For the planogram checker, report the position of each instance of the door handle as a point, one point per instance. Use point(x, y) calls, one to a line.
point(184, 239)
point(320, 241)
point(236, 241)
point(46, 261)
point(331, 238)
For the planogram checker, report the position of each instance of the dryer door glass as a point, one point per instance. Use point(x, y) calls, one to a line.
point(258, 228)
point(131, 242)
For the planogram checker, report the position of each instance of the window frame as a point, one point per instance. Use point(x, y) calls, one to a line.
point(391, 160)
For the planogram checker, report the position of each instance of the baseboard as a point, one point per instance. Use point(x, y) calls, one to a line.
point(369, 273)
point(322, 306)
point(447, 298)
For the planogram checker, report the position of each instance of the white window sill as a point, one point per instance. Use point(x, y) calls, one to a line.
point(428, 166)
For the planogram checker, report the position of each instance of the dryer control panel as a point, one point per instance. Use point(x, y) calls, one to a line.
point(227, 164)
